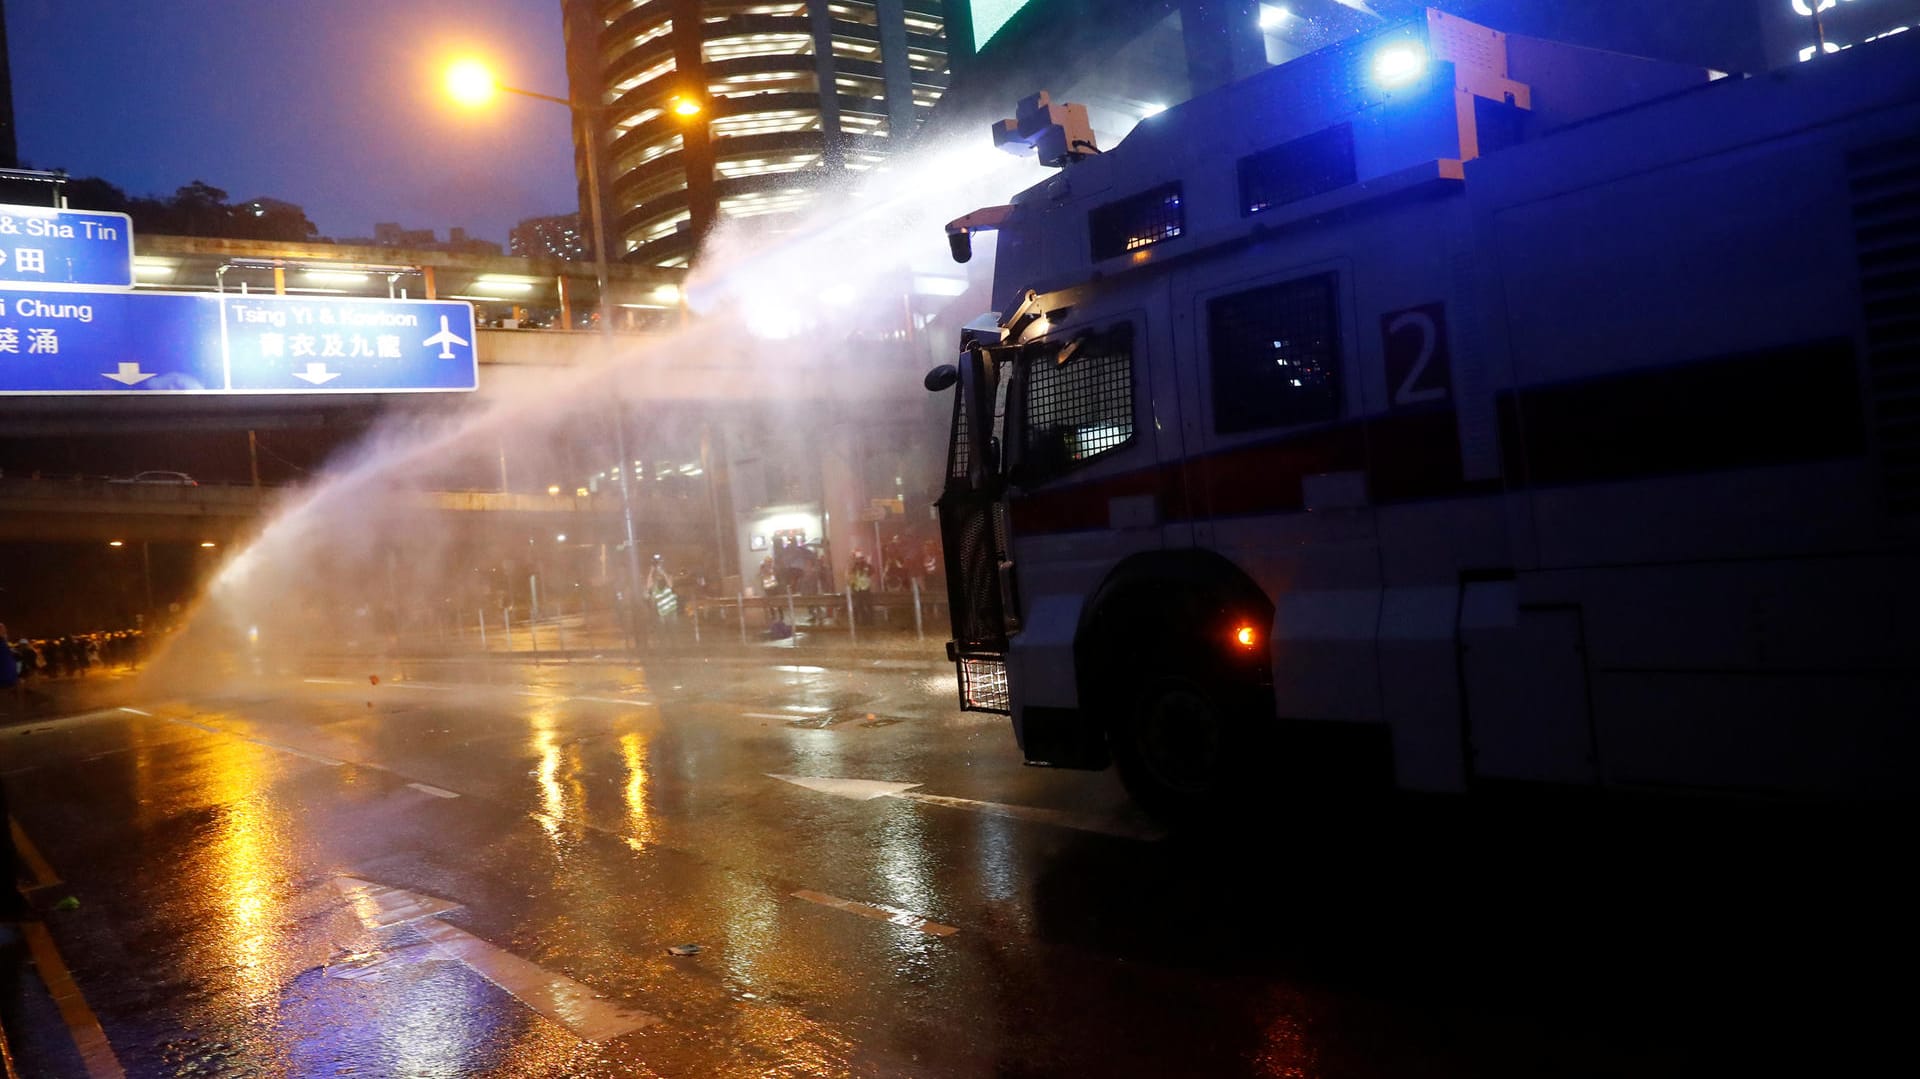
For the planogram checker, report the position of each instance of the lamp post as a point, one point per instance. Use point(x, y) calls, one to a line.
point(473, 84)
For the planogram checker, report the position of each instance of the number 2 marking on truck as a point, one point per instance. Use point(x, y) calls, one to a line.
point(1419, 366)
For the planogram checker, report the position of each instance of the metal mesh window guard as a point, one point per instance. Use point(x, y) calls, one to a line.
point(1078, 410)
point(1276, 355)
point(983, 685)
point(1139, 221)
point(1309, 166)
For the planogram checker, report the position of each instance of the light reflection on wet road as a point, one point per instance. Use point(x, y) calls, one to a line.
point(540, 839)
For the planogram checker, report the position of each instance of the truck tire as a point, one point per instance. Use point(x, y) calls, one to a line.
point(1183, 746)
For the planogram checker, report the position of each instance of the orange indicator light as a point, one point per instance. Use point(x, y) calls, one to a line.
point(1245, 637)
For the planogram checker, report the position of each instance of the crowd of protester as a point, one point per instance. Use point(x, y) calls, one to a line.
point(74, 656)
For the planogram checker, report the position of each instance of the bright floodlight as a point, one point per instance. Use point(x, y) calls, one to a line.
point(471, 83)
point(1399, 64)
point(686, 106)
point(1273, 16)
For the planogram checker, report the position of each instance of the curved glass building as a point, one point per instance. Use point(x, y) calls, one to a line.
point(736, 108)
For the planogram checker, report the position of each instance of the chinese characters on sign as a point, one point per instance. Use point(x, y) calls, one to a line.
point(65, 250)
point(147, 342)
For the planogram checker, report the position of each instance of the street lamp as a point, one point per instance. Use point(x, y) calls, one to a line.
point(472, 83)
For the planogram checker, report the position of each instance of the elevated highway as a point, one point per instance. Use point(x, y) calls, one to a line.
point(97, 510)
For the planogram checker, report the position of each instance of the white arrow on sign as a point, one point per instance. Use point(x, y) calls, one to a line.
point(129, 374)
point(317, 374)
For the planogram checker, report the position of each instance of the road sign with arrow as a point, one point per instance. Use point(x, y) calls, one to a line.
point(195, 343)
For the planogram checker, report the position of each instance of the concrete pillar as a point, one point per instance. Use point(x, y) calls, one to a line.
point(894, 67)
point(820, 16)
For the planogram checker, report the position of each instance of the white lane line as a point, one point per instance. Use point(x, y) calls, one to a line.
point(860, 790)
point(866, 790)
point(96, 1053)
point(437, 792)
point(136, 711)
point(786, 717)
point(329, 682)
point(43, 874)
point(1059, 818)
point(614, 700)
point(892, 915)
point(301, 753)
point(50, 722)
point(565, 1001)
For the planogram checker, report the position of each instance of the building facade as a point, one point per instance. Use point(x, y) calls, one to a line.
point(558, 236)
point(711, 109)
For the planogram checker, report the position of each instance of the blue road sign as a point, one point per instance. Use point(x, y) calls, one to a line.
point(43, 248)
point(110, 342)
point(194, 343)
point(283, 344)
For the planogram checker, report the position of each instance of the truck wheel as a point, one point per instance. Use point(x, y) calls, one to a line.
point(1179, 749)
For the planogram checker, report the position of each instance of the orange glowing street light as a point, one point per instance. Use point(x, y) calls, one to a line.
point(686, 107)
point(471, 83)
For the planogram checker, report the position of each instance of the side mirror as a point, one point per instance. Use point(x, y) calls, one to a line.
point(960, 242)
point(941, 378)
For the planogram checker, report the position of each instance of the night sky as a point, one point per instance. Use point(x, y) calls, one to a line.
point(331, 104)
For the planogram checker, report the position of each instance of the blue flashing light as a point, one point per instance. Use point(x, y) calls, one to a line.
point(1399, 63)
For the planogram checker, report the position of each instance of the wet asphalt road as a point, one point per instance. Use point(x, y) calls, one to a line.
point(473, 870)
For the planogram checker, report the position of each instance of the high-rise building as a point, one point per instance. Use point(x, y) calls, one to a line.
point(710, 109)
point(556, 237)
point(9, 142)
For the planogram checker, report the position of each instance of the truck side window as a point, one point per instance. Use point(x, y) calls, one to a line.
point(1276, 355)
point(1079, 410)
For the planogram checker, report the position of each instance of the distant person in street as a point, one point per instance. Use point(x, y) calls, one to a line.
point(860, 576)
point(9, 665)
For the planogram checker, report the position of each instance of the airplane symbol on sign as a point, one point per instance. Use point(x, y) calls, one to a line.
point(446, 339)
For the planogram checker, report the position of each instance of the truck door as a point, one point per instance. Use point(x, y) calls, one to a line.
point(1278, 466)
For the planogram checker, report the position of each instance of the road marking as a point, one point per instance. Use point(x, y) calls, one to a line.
point(137, 712)
point(301, 753)
point(96, 1053)
point(43, 874)
point(437, 792)
point(866, 790)
point(784, 717)
point(42, 725)
point(860, 790)
point(1061, 818)
point(565, 1001)
point(613, 700)
point(879, 913)
point(329, 682)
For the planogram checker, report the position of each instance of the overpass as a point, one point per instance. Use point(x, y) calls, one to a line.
point(836, 424)
point(84, 509)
